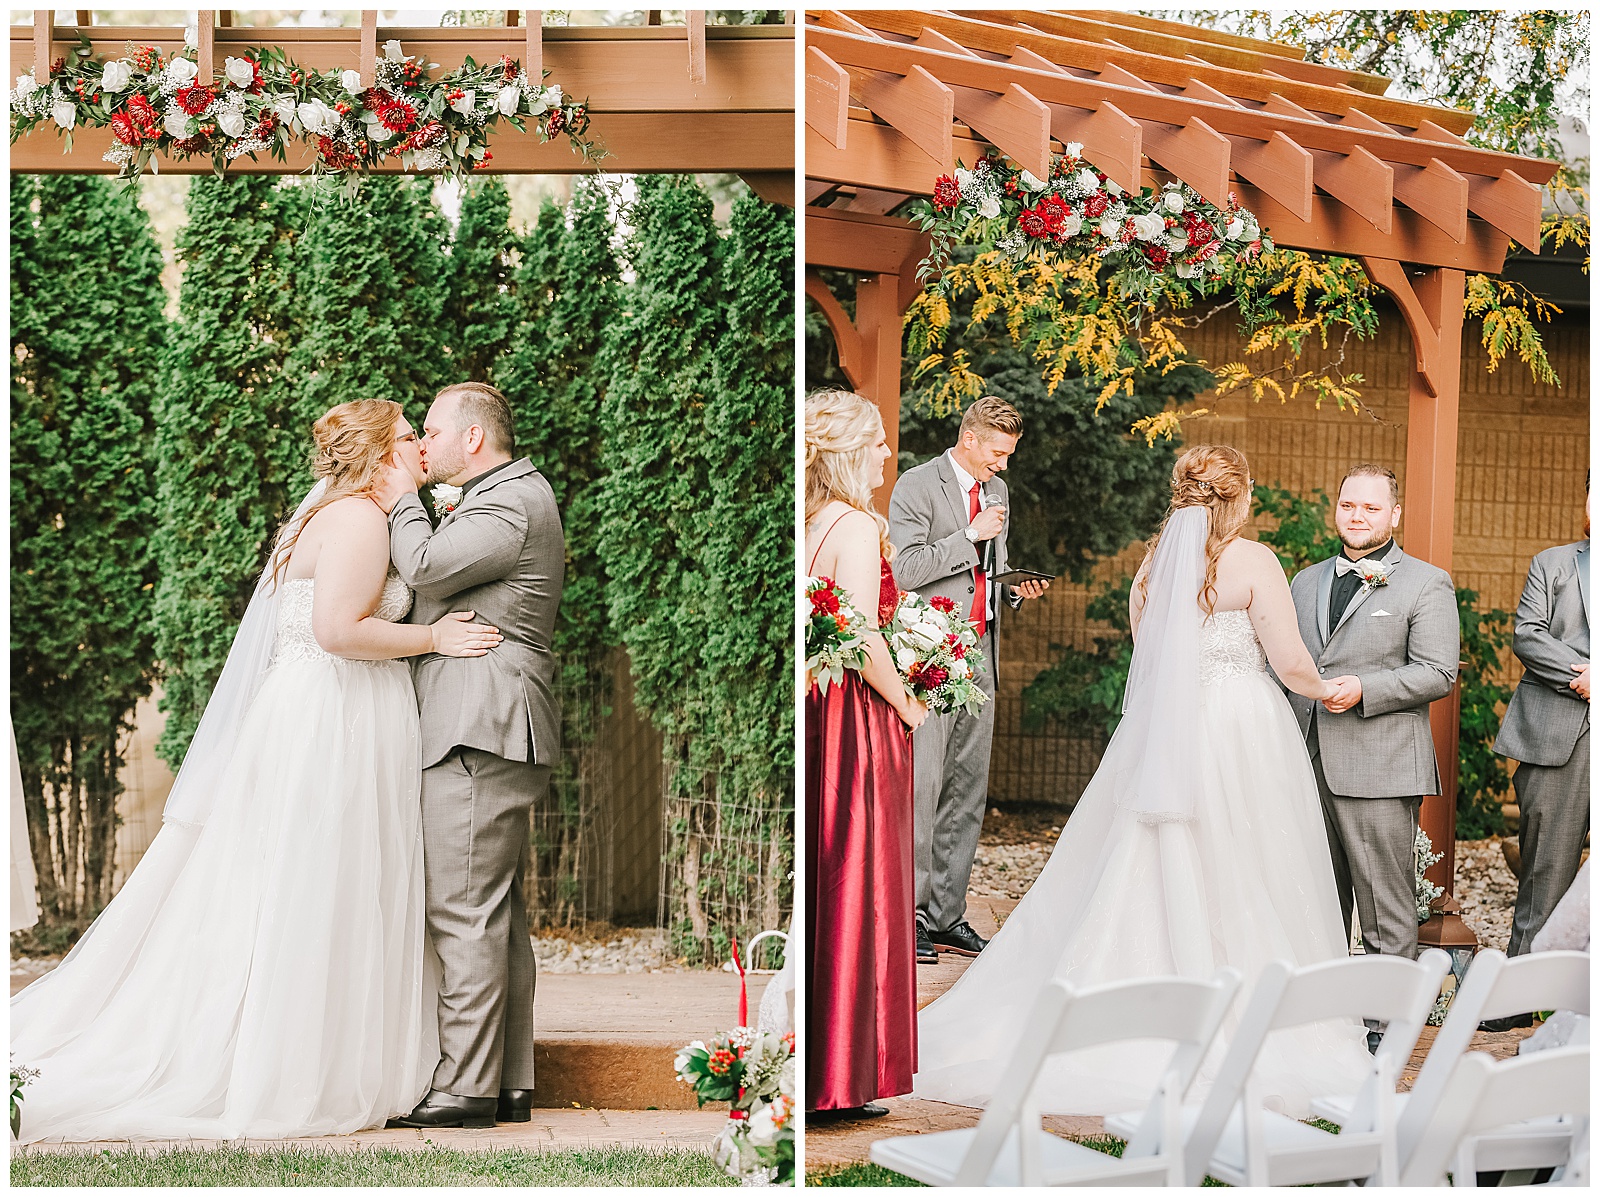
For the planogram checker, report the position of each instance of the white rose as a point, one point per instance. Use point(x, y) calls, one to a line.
point(1088, 180)
point(182, 70)
point(905, 658)
point(379, 131)
point(1074, 149)
point(191, 35)
point(989, 208)
point(1235, 227)
point(507, 99)
point(317, 118)
point(1173, 201)
point(1149, 226)
point(465, 102)
point(552, 96)
point(351, 81)
point(763, 1130)
point(27, 85)
point(1177, 243)
point(1113, 187)
point(231, 121)
point(1109, 227)
point(1186, 270)
point(1031, 183)
point(116, 76)
point(64, 113)
point(963, 181)
point(1072, 225)
point(240, 71)
point(177, 123)
point(392, 50)
point(283, 108)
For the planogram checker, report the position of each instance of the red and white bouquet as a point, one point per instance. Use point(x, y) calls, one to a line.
point(265, 102)
point(1158, 235)
point(932, 648)
point(753, 1071)
point(835, 633)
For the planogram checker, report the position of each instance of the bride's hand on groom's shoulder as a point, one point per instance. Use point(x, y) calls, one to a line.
point(1343, 693)
point(393, 485)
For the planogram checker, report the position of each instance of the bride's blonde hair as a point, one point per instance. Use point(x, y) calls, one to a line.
point(1216, 477)
point(841, 429)
point(350, 444)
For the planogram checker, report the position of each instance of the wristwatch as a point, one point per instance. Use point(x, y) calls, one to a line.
point(970, 534)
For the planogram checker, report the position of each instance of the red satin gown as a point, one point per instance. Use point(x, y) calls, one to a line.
point(861, 971)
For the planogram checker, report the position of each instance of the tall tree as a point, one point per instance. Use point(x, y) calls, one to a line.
point(370, 289)
point(480, 310)
point(219, 432)
point(86, 335)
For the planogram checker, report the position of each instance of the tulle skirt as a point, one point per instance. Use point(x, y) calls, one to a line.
point(262, 975)
point(1247, 881)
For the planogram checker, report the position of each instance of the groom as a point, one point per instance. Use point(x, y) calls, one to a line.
point(1385, 628)
point(947, 522)
point(490, 734)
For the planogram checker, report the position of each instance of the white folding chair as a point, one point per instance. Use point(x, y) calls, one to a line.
point(1010, 1147)
point(1485, 1094)
point(1236, 1139)
point(1494, 987)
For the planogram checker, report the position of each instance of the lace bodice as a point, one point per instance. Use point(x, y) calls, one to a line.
point(295, 640)
point(1229, 648)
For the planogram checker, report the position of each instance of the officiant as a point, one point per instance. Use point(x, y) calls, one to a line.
point(948, 520)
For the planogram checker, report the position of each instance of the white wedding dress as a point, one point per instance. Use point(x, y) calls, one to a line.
point(262, 974)
point(1246, 880)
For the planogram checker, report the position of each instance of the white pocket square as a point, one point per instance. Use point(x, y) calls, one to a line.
point(1376, 614)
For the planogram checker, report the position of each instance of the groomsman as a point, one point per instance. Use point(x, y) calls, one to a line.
point(947, 522)
point(1546, 730)
point(1385, 626)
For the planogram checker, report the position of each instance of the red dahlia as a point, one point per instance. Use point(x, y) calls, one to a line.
point(192, 145)
point(1032, 222)
point(195, 99)
point(1055, 211)
point(940, 602)
point(398, 117)
point(125, 130)
point(1095, 206)
point(555, 122)
point(144, 119)
point(335, 155)
point(430, 134)
point(825, 600)
point(935, 676)
point(946, 193)
point(1156, 254)
point(959, 652)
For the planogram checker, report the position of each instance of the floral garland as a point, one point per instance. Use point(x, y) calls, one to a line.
point(265, 101)
point(1155, 236)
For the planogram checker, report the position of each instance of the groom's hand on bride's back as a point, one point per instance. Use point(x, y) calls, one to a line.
point(393, 485)
point(1346, 693)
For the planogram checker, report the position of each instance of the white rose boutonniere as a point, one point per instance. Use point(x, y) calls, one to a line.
point(1373, 574)
point(446, 498)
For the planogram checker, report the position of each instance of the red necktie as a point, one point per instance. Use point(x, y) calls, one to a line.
point(980, 592)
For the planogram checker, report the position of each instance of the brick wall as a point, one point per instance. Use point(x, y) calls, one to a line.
point(1520, 476)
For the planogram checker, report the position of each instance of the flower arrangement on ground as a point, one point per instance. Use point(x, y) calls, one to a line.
point(266, 102)
point(754, 1072)
point(932, 648)
point(1157, 235)
point(21, 1074)
point(835, 633)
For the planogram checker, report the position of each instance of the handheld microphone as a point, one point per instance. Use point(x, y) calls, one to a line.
point(988, 554)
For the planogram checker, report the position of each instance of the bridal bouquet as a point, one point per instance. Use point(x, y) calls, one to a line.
point(835, 632)
point(931, 646)
point(754, 1072)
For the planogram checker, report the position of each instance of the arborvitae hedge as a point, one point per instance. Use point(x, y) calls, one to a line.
point(221, 433)
point(86, 335)
point(479, 308)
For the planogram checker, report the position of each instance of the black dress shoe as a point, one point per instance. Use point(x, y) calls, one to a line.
point(960, 939)
point(1373, 1039)
point(1509, 1023)
point(516, 1105)
point(446, 1110)
point(925, 952)
point(846, 1114)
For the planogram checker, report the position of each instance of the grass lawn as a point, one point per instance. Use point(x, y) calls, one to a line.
point(872, 1176)
point(297, 1166)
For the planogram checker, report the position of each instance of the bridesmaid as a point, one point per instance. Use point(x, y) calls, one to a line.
point(861, 983)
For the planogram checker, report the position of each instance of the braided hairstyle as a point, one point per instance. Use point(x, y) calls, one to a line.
point(841, 429)
point(1216, 477)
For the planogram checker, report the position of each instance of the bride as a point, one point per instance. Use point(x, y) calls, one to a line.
point(261, 973)
point(1198, 843)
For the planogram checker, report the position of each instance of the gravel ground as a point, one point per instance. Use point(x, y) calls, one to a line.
point(1017, 843)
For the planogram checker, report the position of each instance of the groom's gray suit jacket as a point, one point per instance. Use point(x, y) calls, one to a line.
point(499, 554)
point(1403, 640)
point(1546, 715)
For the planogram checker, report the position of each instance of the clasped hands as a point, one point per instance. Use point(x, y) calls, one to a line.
point(1346, 693)
point(1581, 682)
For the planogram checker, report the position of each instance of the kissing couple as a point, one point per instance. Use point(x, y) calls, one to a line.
point(329, 930)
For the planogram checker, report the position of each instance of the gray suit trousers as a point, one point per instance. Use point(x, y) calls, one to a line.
point(950, 759)
point(1554, 802)
point(1374, 862)
point(475, 826)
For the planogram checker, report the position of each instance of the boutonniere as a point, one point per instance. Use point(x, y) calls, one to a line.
point(445, 499)
point(1373, 574)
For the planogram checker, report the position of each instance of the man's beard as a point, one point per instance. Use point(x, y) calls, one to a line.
point(1372, 539)
point(443, 470)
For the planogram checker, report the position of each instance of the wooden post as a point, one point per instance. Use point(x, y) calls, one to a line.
point(206, 44)
point(695, 19)
point(369, 47)
point(43, 26)
point(533, 57)
point(878, 321)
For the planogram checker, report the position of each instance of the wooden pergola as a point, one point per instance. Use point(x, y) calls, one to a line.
point(1322, 156)
point(691, 98)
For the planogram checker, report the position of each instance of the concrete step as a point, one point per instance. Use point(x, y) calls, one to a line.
point(607, 1040)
